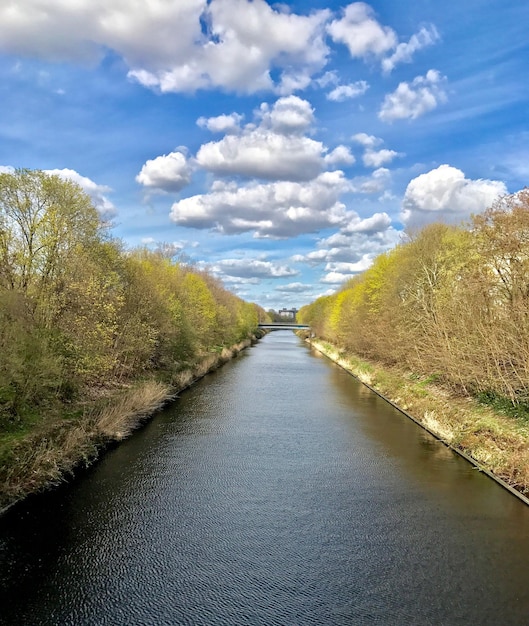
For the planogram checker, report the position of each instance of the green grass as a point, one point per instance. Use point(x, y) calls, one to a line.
point(505, 406)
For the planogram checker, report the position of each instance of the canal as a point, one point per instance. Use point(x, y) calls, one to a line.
point(276, 491)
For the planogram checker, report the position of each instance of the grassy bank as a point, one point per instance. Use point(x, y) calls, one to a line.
point(46, 454)
point(497, 441)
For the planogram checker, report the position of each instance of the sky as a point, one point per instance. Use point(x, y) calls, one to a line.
point(281, 146)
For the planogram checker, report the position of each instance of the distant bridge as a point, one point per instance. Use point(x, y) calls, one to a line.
point(284, 326)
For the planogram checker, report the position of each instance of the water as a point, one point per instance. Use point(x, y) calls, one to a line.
point(278, 490)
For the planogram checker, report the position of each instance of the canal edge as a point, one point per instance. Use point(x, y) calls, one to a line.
point(461, 453)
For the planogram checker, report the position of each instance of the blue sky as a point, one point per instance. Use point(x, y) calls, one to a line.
point(281, 145)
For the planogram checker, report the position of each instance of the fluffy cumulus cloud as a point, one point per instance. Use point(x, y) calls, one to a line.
point(261, 154)
point(377, 223)
point(444, 194)
point(173, 46)
point(368, 141)
point(221, 123)
point(276, 149)
point(244, 46)
point(235, 282)
point(340, 154)
point(238, 49)
point(411, 100)
point(170, 172)
point(289, 115)
point(96, 192)
point(361, 33)
point(144, 34)
point(279, 210)
point(372, 157)
point(377, 158)
point(365, 37)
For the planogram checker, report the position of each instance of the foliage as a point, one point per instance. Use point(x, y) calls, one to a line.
point(453, 301)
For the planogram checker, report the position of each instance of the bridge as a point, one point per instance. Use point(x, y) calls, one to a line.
point(284, 326)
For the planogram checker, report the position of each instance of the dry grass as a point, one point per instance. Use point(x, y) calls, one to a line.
point(123, 414)
point(497, 442)
point(52, 452)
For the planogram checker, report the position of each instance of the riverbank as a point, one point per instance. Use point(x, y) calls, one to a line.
point(496, 442)
point(52, 451)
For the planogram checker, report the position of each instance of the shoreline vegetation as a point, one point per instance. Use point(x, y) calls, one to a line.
point(440, 325)
point(496, 442)
point(52, 453)
point(94, 337)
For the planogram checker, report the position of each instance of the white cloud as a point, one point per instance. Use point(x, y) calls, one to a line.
point(244, 46)
point(353, 247)
point(262, 154)
point(96, 192)
point(181, 45)
point(339, 272)
point(340, 154)
point(334, 278)
point(372, 157)
point(444, 194)
point(377, 158)
point(329, 78)
point(293, 81)
point(142, 33)
point(378, 222)
point(244, 42)
point(346, 92)
point(221, 123)
point(170, 172)
point(312, 258)
point(274, 150)
point(410, 101)
point(368, 141)
point(289, 115)
point(278, 210)
point(376, 183)
point(253, 268)
point(361, 33)
point(404, 52)
point(351, 268)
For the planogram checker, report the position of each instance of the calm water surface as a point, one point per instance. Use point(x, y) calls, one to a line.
point(276, 491)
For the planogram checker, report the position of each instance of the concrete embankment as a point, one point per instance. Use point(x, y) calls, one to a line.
point(495, 443)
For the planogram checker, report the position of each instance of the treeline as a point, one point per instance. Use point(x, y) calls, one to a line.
point(78, 311)
point(449, 302)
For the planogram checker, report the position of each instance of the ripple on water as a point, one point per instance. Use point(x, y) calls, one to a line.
point(275, 492)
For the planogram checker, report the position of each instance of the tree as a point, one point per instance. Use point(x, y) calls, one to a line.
point(43, 219)
point(47, 225)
